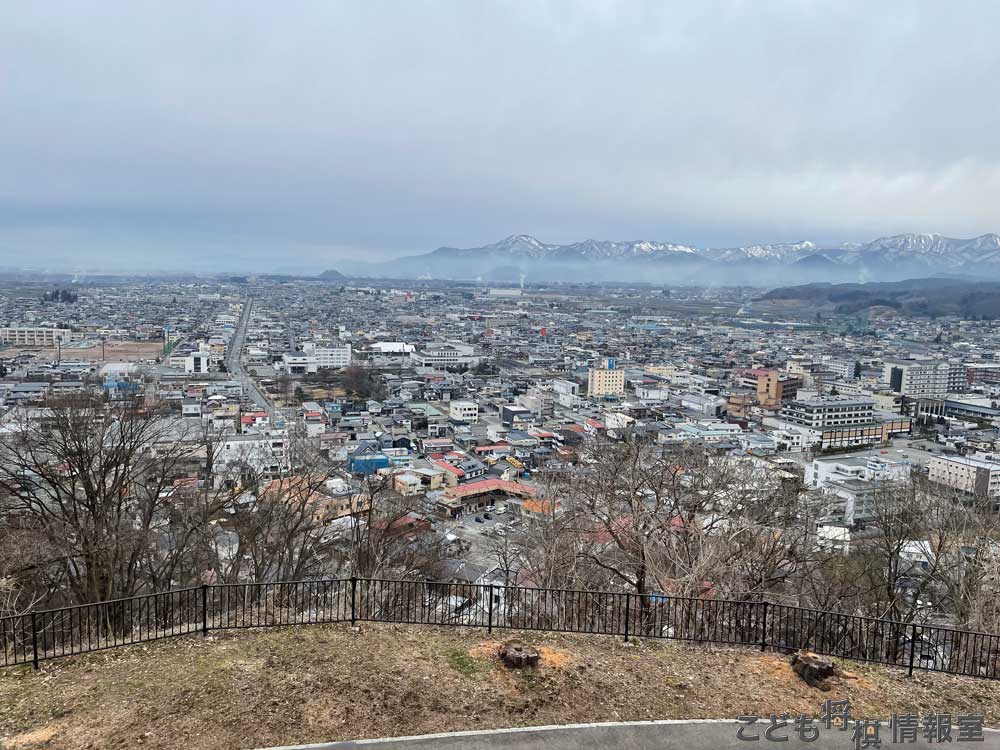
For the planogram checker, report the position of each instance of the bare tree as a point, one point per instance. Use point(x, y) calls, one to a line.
point(275, 527)
point(21, 554)
point(276, 531)
point(506, 554)
point(927, 551)
point(380, 539)
point(97, 484)
point(657, 520)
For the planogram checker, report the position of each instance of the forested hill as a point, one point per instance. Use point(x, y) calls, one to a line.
point(935, 297)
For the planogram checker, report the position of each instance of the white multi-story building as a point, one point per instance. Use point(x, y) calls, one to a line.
point(313, 358)
point(261, 453)
point(297, 363)
point(197, 362)
point(445, 355)
point(821, 472)
point(567, 393)
point(850, 486)
point(977, 475)
point(791, 439)
point(831, 411)
point(838, 422)
point(842, 368)
point(958, 377)
point(463, 411)
point(540, 401)
point(329, 358)
point(918, 378)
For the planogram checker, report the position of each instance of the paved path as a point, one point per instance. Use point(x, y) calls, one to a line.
point(643, 735)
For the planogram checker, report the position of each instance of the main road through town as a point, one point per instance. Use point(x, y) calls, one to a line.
point(234, 361)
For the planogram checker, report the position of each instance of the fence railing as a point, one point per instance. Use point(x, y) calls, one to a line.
point(54, 633)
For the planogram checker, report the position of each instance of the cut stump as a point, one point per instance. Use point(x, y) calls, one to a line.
point(517, 655)
point(814, 669)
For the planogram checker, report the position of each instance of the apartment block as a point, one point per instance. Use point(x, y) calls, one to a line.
point(918, 378)
point(606, 381)
point(976, 475)
point(831, 411)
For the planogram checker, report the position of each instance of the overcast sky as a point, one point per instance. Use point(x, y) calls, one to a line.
point(286, 135)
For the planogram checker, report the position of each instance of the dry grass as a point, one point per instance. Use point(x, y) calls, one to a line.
point(324, 683)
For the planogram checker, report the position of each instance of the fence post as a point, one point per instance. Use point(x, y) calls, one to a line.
point(34, 641)
point(354, 592)
point(913, 647)
point(763, 627)
point(628, 611)
point(489, 621)
point(204, 609)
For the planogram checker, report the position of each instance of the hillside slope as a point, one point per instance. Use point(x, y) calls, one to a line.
point(324, 683)
point(933, 297)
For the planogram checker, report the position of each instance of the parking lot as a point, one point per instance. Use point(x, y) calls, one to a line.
point(495, 524)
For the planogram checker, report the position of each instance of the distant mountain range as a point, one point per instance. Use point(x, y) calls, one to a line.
point(521, 256)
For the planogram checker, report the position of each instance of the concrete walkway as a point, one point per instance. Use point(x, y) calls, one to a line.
point(643, 735)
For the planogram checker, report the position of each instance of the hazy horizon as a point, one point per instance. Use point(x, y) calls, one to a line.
point(228, 137)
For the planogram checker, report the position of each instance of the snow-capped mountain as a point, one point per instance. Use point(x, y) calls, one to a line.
point(523, 245)
point(933, 248)
point(888, 258)
point(784, 252)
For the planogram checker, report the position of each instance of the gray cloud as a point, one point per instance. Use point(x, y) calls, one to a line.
point(292, 134)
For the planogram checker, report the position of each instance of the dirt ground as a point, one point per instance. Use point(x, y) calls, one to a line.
point(326, 683)
point(115, 351)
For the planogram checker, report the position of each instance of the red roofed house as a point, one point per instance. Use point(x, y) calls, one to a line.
point(474, 496)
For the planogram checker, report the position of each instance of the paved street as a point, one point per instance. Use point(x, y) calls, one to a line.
point(234, 361)
point(696, 735)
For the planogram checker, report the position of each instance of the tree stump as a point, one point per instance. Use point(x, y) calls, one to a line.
point(517, 655)
point(813, 668)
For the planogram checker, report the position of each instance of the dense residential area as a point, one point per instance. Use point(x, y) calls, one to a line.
point(667, 442)
point(485, 376)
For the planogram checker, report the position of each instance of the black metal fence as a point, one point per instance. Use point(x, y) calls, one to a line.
point(54, 633)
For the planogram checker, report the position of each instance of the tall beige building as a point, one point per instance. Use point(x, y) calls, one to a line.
point(606, 381)
point(32, 336)
point(974, 475)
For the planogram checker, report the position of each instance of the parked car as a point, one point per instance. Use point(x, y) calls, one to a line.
point(487, 516)
point(479, 519)
point(489, 508)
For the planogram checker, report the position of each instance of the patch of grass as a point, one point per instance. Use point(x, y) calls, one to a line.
point(325, 683)
point(465, 664)
point(527, 678)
